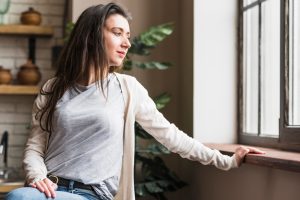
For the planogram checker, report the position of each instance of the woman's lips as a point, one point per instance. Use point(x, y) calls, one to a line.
point(121, 53)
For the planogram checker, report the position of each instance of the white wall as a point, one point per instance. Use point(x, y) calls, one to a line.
point(215, 64)
point(78, 6)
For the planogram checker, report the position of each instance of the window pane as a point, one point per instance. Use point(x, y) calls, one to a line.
point(250, 71)
point(294, 64)
point(247, 2)
point(270, 68)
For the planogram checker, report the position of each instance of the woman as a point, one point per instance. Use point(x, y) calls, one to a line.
point(82, 141)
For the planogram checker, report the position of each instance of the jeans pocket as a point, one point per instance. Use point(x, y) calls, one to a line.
point(103, 192)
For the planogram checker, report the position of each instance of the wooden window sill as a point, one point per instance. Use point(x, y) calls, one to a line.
point(273, 158)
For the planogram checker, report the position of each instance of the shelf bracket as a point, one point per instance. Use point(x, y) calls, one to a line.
point(31, 48)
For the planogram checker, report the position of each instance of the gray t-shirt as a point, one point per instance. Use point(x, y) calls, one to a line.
point(86, 144)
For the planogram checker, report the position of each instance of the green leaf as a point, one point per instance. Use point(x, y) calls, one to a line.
point(162, 100)
point(140, 132)
point(157, 178)
point(149, 39)
point(159, 196)
point(157, 148)
point(154, 149)
point(68, 30)
point(137, 47)
point(156, 34)
point(153, 187)
point(140, 190)
point(127, 65)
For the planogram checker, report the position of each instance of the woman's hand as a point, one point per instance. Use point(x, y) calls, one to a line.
point(46, 186)
point(241, 151)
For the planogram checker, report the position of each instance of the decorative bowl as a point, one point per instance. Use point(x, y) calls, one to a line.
point(31, 17)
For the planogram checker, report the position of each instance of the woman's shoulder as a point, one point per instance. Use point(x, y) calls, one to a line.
point(132, 83)
point(123, 76)
point(126, 78)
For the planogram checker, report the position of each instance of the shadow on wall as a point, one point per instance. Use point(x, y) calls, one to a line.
point(245, 183)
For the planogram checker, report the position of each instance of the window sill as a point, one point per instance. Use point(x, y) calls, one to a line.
point(273, 158)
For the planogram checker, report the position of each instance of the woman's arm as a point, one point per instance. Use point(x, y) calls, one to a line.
point(33, 162)
point(177, 141)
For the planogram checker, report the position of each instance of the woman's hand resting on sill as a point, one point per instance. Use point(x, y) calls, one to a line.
point(241, 151)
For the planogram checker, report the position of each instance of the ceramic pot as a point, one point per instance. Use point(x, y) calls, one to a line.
point(5, 76)
point(31, 17)
point(29, 74)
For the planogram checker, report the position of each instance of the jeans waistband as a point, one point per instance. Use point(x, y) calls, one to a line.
point(66, 182)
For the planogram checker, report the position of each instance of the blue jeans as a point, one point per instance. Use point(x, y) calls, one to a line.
point(62, 193)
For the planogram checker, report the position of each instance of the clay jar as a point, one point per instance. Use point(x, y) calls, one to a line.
point(31, 17)
point(29, 74)
point(5, 76)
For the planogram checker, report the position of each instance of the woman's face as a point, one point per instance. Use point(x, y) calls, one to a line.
point(116, 37)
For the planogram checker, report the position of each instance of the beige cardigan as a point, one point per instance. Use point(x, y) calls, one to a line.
point(140, 108)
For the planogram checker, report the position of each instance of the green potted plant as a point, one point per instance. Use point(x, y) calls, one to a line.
point(155, 177)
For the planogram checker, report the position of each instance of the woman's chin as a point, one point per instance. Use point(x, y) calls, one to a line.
point(116, 64)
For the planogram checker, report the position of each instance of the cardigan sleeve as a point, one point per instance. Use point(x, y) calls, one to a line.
point(174, 139)
point(33, 162)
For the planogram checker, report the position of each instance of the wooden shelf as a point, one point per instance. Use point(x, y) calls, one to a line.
point(19, 90)
point(26, 30)
point(29, 31)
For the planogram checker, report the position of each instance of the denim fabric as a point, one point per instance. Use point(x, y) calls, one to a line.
point(62, 193)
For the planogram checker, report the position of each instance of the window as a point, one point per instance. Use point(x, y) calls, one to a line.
point(269, 81)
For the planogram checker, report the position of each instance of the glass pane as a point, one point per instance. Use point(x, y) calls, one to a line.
point(250, 71)
point(294, 64)
point(247, 2)
point(270, 68)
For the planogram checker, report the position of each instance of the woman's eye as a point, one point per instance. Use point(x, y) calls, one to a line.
point(117, 33)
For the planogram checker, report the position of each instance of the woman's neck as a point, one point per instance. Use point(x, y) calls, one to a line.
point(90, 79)
point(86, 81)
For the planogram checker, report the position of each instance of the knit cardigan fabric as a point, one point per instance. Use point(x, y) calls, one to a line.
point(140, 108)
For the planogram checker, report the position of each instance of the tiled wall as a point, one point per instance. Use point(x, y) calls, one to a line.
point(15, 110)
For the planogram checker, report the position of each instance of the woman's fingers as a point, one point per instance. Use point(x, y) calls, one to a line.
point(255, 150)
point(241, 151)
point(51, 187)
point(46, 187)
point(32, 185)
point(40, 186)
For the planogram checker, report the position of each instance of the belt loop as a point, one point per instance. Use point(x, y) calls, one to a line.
point(53, 178)
point(71, 186)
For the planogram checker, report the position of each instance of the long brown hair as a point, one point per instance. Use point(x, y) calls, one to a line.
point(84, 49)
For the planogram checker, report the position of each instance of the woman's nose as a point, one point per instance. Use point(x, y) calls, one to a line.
point(126, 43)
